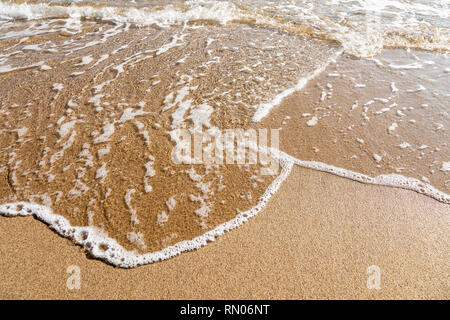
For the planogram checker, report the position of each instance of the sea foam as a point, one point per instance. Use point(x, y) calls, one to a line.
point(105, 248)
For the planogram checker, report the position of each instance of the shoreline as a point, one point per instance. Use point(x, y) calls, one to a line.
point(107, 249)
point(99, 167)
point(310, 250)
point(94, 99)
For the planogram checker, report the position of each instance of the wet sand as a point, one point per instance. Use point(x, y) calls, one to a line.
point(97, 104)
point(102, 118)
point(315, 240)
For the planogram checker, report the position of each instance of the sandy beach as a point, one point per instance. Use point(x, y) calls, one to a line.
point(314, 240)
point(251, 149)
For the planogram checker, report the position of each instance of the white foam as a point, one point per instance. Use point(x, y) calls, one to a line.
point(101, 173)
point(445, 166)
point(31, 47)
point(312, 122)
point(404, 145)
point(144, 133)
point(175, 42)
point(358, 36)
point(393, 87)
point(66, 145)
point(65, 128)
point(117, 255)
point(108, 131)
point(263, 109)
point(130, 114)
point(171, 203)
point(21, 132)
point(391, 180)
point(7, 68)
point(162, 218)
point(103, 151)
point(201, 116)
point(414, 65)
point(84, 61)
point(96, 100)
point(149, 172)
point(377, 157)
point(137, 238)
point(204, 209)
point(58, 86)
point(169, 15)
point(392, 127)
point(131, 209)
point(193, 175)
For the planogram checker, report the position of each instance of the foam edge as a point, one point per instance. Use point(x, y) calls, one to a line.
point(108, 249)
point(105, 248)
point(390, 180)
point(263, 109)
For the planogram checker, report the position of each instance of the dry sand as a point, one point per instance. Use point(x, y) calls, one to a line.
point(315, 239)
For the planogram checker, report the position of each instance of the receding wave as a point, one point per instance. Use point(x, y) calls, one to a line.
point(362, 27)
point(96, 91)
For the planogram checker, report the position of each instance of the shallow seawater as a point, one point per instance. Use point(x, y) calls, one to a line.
point(93, 93)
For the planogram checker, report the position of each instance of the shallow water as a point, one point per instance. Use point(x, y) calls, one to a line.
point(92, 93)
